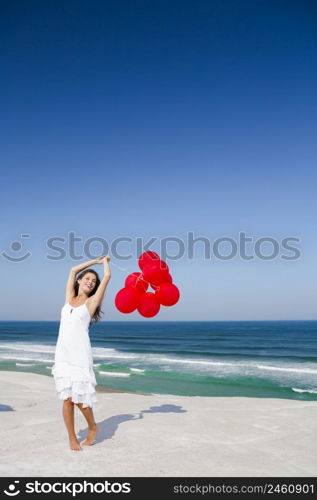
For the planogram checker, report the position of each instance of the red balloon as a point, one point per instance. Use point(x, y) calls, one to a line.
point(156, 273)
point(127, 299)
point(147, 258)
point(136, 280)
point(168, 280)
point(148, 305)
point(167, 294)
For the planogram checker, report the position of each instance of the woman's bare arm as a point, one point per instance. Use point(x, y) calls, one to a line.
point(70, 285)
point(96, 299)
point(83, 265)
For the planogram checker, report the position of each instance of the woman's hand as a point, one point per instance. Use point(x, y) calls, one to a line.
point(103, 259)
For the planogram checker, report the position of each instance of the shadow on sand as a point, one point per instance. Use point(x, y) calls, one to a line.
point(109, 426)
point(6, 408)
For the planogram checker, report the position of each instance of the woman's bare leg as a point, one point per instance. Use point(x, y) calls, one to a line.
point(92, 426)
point(68, 414)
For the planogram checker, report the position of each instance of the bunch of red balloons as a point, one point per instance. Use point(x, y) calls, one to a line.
point(134, 295)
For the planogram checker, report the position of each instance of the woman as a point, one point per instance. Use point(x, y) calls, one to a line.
point(73, 368)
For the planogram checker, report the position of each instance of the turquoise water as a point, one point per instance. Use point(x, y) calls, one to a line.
point(245, 358)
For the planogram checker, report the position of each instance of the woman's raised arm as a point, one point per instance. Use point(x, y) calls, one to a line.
point(96, 299)
point(70, 285)
point(83, 265)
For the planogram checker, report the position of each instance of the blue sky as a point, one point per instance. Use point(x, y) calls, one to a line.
point(156, 119)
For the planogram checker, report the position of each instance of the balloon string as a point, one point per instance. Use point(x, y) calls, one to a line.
point(127, 271)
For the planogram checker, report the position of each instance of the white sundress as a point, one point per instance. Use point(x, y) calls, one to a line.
point(73, 364)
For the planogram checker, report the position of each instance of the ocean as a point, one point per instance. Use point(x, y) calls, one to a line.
point(263, 359)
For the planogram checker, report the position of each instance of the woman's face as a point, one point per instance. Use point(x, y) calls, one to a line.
point(87, 282)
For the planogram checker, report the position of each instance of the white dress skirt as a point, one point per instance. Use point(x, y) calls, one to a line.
point(73, 364)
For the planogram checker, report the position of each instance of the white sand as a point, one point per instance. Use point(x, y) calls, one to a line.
point(208, 437)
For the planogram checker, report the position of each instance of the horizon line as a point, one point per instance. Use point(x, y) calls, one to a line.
point(157, 321)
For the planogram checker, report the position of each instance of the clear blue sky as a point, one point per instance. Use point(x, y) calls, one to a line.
point(155, 119)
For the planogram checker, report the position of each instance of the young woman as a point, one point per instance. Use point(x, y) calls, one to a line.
point(73, 368)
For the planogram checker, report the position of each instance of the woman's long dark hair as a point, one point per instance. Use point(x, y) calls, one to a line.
point(97, 316)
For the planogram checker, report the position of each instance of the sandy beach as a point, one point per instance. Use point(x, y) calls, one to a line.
point(155, 435)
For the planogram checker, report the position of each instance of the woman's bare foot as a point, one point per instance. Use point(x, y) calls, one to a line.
point(90, 439)
point(74, 445)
